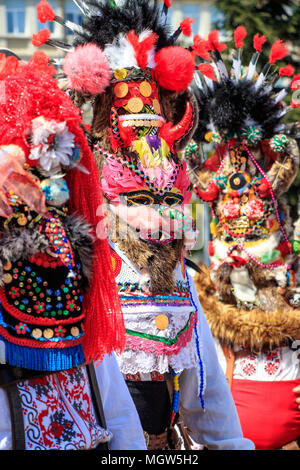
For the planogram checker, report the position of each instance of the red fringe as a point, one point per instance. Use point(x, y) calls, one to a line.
point(45, 12)
point(239, 34)
point(278, 51)
point(104, 324)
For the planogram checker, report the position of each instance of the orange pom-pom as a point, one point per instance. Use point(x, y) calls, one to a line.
point(186, 26)
point(239, 35)
point(41, 37)
point(45, 12)
point(278, 51)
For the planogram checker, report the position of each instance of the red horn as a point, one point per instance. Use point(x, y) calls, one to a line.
point(172, 134)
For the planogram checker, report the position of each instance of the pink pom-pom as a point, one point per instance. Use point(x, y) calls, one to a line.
point(174, 68)
point(87, 69)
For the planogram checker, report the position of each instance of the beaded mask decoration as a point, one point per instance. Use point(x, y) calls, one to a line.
point(126, 62)
point(255, 161)
point(46, 254)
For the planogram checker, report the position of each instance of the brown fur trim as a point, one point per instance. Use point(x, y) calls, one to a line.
point(254, 328)
point(157, 261)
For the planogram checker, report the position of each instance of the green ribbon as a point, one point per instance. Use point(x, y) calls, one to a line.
point(167, 341)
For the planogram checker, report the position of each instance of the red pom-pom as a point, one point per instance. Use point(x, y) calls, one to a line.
point(239, 35)
point(174, 68)
point(45, 12)
point(213, 42)
point(278, 51)
point(258, 42)
point(200, 47)
point(41, 37)
point(186, 26)
point(295, 84)
point(87, 69)
point(168, 3)
point(208, 71)
point(210, 194)
point(286, 71)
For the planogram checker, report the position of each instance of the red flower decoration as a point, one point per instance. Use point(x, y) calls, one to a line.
point(21, 328)
point(60, 331)
point(231, 210)
point(14, 292)
point(254, 209)
point(71, 305)
point(39, 307)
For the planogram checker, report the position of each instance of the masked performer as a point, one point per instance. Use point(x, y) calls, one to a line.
point(250, 293)
point(126, 63)
point(51, 325)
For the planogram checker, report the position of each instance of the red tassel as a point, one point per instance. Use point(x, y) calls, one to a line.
point(41, 37)
point(186, 26)
point(278, 51)
point(239, 34)
point(208, 71)
point(213, 42)
point(45, 12)
point(286, 71)
point(200, 47)
point(258, 42)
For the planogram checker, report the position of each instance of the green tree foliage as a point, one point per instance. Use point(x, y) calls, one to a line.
point(277, 20)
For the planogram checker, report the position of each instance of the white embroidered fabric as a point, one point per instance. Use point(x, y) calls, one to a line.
point(280, 364)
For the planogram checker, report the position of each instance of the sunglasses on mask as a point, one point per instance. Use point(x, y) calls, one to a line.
point(146, 198)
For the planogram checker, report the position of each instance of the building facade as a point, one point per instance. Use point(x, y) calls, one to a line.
point(18, 21)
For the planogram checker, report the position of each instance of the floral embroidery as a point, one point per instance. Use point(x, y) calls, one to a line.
point(272, 363)
point(58, 412)
point(21, 328)
point(249, 365)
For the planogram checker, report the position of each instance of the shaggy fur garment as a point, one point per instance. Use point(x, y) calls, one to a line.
point(253, 328)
